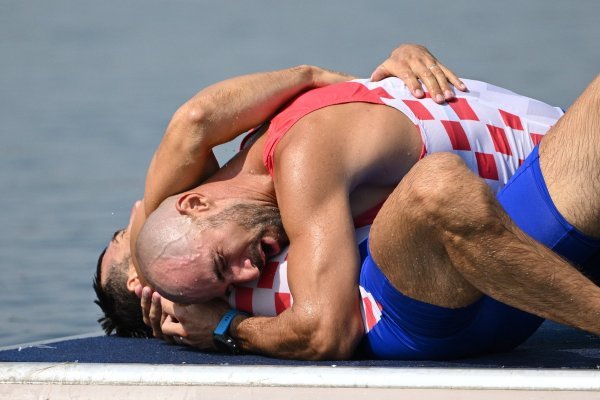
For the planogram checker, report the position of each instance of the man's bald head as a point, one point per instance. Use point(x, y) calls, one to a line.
point(191, 257)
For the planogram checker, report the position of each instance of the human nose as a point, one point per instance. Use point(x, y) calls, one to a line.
point(134, 209)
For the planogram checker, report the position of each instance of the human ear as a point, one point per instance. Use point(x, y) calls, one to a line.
point(132, 282)
point(192, 203)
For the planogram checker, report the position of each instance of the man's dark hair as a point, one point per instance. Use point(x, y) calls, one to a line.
point(122, 310)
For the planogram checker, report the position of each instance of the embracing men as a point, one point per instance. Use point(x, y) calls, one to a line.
point(439, 246)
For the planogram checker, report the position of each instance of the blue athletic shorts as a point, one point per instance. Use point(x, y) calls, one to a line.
point(410, 329)
point(526, 199)
point(413, 330)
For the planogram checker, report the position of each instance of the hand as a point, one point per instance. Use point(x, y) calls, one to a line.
point(152, 314)
point(411, 63)
point(193, 324)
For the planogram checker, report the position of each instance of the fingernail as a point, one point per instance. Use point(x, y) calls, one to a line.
point(463, 86)
point(448, 94)
point(419, 93)
point(439, 98)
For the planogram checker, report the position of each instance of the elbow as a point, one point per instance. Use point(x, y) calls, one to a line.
point(193, 113)
point(188, 128)
point(335, 341)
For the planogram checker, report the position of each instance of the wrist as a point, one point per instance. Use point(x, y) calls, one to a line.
point(223, 339)
point(307, 75)
point(233, 328)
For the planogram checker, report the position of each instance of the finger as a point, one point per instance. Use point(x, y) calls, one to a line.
point(146, 304)
point(429, 79)
point(163, 317)
point(413, 84)
point(442, 81)
point(453, 79)
point(155, 315)
point(180, 311)
point(167, 306)
point(380, 73)
point(171, 328)
point(168, 338)
point(138, 290)
point(402, 71)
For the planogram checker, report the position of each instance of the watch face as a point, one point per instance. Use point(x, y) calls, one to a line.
point(225, 344)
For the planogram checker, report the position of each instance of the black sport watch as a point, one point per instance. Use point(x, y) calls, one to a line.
point(221, 338)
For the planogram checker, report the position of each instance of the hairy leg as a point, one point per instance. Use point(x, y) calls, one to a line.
point(570, 162)
point(443, 224)
point(402, 244)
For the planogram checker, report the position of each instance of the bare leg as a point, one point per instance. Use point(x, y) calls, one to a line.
point(404, 247)
point(448, 228)
point(570, 162)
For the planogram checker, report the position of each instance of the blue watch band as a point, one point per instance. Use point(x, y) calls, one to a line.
point(225, 322)
point(221, 338)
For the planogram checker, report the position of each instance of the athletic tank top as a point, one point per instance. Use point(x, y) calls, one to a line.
point(492, 129)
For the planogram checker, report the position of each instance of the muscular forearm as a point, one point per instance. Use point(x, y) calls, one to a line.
point(216, 115)
point(230, 107)
point(292, 336)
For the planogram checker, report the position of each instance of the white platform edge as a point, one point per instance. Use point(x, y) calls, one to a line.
point(304, 376)
point(52, 340)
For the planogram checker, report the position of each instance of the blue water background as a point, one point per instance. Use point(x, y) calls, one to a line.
point(87, 88)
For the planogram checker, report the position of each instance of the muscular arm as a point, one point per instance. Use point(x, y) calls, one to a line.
point(214, 116)
point(324, 321)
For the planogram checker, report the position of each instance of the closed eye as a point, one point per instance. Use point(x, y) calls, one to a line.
point(220, 265)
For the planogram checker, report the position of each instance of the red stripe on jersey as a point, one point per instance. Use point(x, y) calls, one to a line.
point(457, 135)
point(340, 93)
point(418, 109)
point(486, 166)
point(369, 316)
point(536, 138)
point(267, 275)
point(243, 299)
point(462, 109)
point(511, 120)
point(282, 302)
point(499, 138)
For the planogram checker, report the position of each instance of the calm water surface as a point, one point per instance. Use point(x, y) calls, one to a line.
point(87, 88)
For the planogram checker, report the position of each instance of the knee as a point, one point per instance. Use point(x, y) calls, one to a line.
point(437, 179)
point(448, 194)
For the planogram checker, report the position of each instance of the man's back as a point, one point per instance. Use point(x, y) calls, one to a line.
point(378, 131)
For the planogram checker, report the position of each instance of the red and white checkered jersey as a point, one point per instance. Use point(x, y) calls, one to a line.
point(492, 129)
point(270, 294)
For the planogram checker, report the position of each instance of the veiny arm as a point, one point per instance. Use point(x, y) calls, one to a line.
point(324, 322)
point(214, 116)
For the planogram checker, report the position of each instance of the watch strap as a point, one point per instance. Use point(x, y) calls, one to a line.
point(225, 323)
point(221, 338)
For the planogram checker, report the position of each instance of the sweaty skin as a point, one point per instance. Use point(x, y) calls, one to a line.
point(325, 299)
